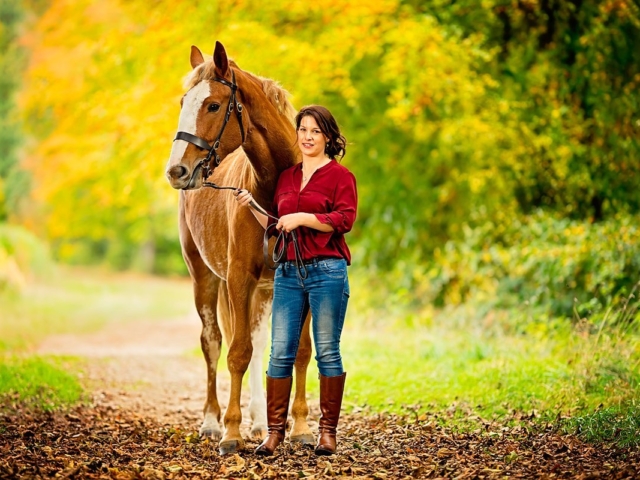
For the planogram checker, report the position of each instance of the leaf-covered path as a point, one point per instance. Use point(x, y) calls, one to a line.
point(144, 413)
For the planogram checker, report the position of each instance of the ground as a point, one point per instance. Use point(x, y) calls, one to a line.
point(146, 387)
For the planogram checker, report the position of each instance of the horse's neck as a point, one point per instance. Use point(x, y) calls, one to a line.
point(271, 141)
point(271, 149)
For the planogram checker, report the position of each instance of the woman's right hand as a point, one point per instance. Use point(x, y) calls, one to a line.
point(243, 197)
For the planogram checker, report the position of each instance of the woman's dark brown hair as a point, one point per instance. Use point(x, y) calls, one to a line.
point(337, 144)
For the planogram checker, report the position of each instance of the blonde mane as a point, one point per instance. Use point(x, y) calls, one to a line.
point(277, 95)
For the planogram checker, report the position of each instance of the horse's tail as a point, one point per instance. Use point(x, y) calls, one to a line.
point(224, 313)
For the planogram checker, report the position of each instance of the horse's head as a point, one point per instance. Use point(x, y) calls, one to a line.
point(210, 125)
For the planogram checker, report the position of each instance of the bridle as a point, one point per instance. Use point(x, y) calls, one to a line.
point(203, 144)
point(280, 247)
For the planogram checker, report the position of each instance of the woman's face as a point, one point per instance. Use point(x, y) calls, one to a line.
point(311, 140)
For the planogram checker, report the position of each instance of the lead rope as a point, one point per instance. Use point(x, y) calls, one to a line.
point(280, 247)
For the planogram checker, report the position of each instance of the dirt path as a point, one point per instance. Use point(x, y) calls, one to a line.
point(150, 367)
point(148, 390)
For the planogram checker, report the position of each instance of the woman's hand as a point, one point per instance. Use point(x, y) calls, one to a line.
point(243, 197)
point(292, 221)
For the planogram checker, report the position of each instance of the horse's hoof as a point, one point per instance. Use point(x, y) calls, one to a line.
point(258, 433)
point(304, 439)
point(209, 432)
point(230, 446)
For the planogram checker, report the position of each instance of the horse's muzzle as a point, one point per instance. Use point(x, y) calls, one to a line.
point(177, 172)
point(181, 179)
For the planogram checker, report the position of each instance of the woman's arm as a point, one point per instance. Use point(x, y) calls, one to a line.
point(345, 203)
point(244, 198)
point(294, 220)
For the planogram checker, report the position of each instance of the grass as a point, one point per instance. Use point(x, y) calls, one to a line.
point(437, 367)
point(487, 365)
point(37, 382)
point(491, 365)
point(614, 425)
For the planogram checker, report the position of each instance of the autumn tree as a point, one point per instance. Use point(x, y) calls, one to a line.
point(462, 118)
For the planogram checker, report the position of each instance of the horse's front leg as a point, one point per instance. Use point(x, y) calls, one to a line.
point(241, 286)
point(300, 432)
point(210, 341)
point(205, 288)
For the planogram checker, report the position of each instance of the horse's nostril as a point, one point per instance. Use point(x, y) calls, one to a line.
point(178, 171)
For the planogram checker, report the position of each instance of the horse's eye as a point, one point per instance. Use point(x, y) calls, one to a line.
point(213, 107)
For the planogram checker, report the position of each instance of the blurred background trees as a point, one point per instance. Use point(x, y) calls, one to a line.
point(11, 14)
point(496, 144)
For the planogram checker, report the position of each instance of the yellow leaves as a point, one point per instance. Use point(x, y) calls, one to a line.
point(105, 81)
point(432, 77)
point(105, 76)
point(107, 111)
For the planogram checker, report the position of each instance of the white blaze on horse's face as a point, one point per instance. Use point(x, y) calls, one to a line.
point(191, 106)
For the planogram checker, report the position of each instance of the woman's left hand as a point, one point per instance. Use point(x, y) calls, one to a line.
point(291, 221)
point(243, 197)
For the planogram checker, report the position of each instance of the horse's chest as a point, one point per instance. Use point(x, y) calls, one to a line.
point(209, 230)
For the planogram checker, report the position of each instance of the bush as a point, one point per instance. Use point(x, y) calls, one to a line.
point(551, 266)
point(573, 268)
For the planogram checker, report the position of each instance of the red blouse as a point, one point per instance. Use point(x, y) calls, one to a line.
point(331, 195)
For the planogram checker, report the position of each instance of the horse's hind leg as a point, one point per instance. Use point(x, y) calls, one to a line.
point(300, 432)
point(260, 314)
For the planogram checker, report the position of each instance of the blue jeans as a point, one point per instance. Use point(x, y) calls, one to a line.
point(326, 292)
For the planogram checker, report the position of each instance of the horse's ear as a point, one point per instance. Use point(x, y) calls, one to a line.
point(196, 57)
point(221, 60)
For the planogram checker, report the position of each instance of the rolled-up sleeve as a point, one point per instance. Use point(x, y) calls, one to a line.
point(345, 204)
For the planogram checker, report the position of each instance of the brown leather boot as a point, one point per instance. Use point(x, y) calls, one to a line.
point(331, 390)
point(278, 393)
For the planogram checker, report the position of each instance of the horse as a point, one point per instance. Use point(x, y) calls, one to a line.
point(237, 129)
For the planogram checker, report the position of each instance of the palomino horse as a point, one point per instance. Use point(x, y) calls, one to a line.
point(226, 108)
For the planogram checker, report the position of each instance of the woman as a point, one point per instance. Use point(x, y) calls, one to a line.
point(317, 198)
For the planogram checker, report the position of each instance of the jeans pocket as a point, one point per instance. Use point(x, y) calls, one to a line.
point(334, 269)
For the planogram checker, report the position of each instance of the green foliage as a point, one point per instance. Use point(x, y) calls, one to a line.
point(497, 111)
point(540, 260)
point(547, 265)
point(459, 115)
point(571, 69)
point(38, 382)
